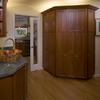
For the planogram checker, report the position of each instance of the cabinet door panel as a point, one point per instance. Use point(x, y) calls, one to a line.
point(3, 19)
point(51, 63)
point(19, 84)
point(71, 47)
point(6, 88)
point(91, 43)
point(49, 22)
point(75, 54)
point(1, 14)
point(61, 25)
point(49, 42)
point(45, 60)
point(1, 29)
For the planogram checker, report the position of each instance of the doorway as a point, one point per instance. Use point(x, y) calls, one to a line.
point(35, 58)
point(28, 29)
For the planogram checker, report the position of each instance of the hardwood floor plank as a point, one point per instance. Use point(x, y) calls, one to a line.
point(43, 86)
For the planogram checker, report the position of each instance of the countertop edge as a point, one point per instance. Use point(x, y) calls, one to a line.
point(11, 72)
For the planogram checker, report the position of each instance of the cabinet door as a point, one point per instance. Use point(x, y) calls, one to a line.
point(20, 84)
point(49, 42)
point(91, 42)
point(71, 42)
point(1, 15)
point(1, 22)
point(1, 29)
point(60, 31)
point(3, 19)
point(6, 88)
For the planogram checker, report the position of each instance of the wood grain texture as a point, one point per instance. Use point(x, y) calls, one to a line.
point(14, 87)
point(49, 42)
point(69, 41)
point(20, 84)
point(43, 86)
point(6, 88)
point(3, 32)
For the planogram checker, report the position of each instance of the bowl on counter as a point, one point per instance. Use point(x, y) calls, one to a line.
point(9, 55)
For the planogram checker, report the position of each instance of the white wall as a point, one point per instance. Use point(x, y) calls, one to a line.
point(20, 9)
point(97, 44)
point(11, 11)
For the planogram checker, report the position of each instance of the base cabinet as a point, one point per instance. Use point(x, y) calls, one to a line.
point(6, 88)
point(14, 87)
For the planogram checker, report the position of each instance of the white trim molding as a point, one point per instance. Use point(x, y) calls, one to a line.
point(97, 75)
point(36, 68)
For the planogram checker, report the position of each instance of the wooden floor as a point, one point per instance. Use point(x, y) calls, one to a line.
point(43, 86)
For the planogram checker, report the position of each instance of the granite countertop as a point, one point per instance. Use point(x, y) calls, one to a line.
point(7, 69)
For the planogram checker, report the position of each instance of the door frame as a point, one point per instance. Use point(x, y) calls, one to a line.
point(37, 66)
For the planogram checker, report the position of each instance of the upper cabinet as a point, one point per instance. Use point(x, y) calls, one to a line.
point(3, 18)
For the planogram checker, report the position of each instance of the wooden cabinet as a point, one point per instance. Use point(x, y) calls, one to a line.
point(49, 42)
point(23, 45)
point(6, 88)
point(68, 41)
point(20, 84)
point(14, 87)
point(3, 18)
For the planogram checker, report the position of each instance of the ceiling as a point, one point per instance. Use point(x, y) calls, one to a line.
point(29, 2)
point(32, 2)
point(41, 5)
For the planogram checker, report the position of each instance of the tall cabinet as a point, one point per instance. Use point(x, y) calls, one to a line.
point(69, 41)
point(3, 4)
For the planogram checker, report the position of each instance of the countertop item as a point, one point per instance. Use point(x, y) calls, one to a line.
point(23, 38)
point(7, 69)
point(23, 45)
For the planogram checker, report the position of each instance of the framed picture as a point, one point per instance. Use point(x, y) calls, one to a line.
point(20, 32)
point(98, 26)
point(1, 3)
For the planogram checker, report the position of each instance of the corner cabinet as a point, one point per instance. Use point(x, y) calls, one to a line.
point(69, 41)
point(3, 18)
point(14, 87)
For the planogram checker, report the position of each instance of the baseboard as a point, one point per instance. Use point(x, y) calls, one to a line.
point(97, 75)
point(36, 68)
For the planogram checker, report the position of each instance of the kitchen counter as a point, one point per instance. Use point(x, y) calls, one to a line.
point(7, 69)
